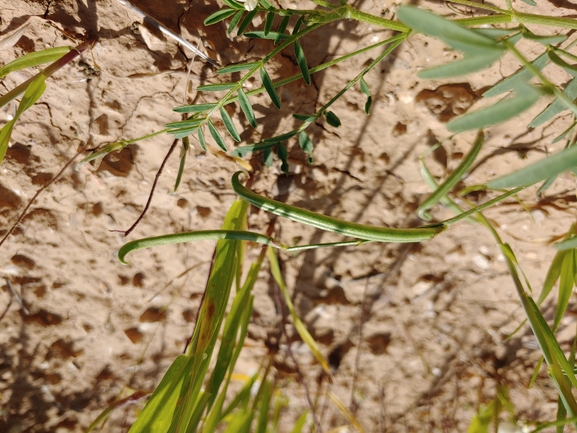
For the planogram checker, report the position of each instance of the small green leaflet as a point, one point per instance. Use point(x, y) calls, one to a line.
point(523, 97)
point(236, 68)
point(269, 87)
point(215, 87)
point(365, 89)
point(219, 16)
point(540, 170)
point(217, 137)
point(302, 62)
point(332, 119)
point(198, 108)
point(270, 35)
point(306, 145)
point(268, 22)
point(228, 123)
point(283, 156)
point(251, 148)
point(246, 107)
point(201, 139)
point(281, 28)
point(234, 21)
point(246, 21)
point(306, 117)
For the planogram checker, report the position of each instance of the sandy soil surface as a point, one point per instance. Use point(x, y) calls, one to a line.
point(415, 333)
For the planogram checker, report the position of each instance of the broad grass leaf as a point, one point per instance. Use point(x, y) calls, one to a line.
point(552, 276)
point(32, 94)
point(215, 87)
point(237, 67)
point(467, 65)
point(196, 108)
point(268, 22)
point(35, 58)
point(332, 119)
point(566, 283)
point(556, 106)
point(246, 21)
point(265, 394)
point(229, 124)
point(302, 62)
point(299, 326)
point(540, 170)
point(300, 422)
point(283, 156)
point(234, 22)
point(157, 414)
point(201, 139)
point(269, 87)
point(524, 97)
point(216, 136)
point(246, 108)
point(219, 16)
point(521, 76)
point(451, 33)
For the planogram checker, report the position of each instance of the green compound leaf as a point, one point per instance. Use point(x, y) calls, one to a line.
point(306, 145)
point(523, 97)
point(217, 137)
point(229, 124)
point(217, 87)
point(302, 62)
point(246, 21)
point(198, 108)
point(219, 16)
point(332, 119)
point(268, 22)
point(35, 58)
point(283, 156)
point(201, 139)
point(236, 68)
point(269, 87)
point(234, 21)
point(246, 107)
point(540, 170)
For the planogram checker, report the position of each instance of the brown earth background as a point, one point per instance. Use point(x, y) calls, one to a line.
point(78, 329)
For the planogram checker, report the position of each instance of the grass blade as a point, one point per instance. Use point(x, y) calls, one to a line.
point(32, 94)
point(302, 62)
point(566, 283)
point(229, 125)
point(34, 59)
point(217, 137)
point(269, 87)
point(246, 107)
